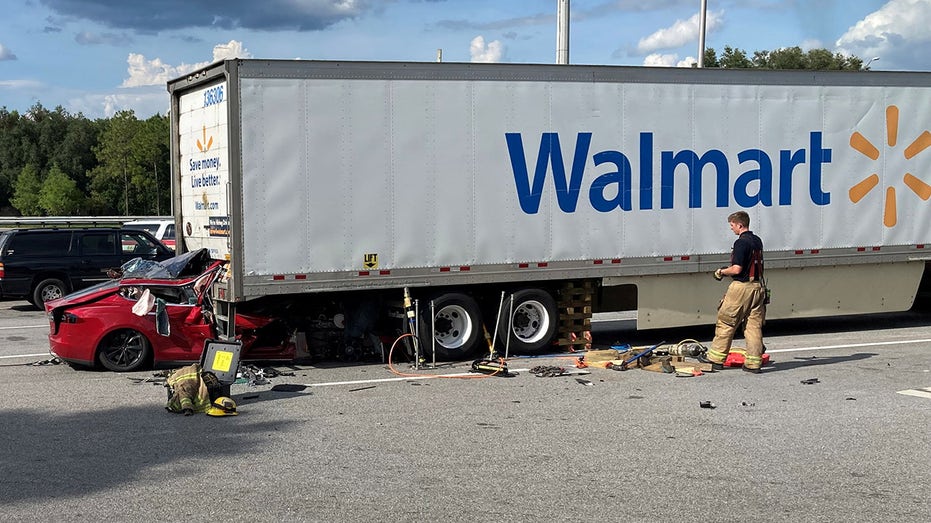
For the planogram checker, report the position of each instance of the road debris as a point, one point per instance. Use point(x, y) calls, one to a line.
point(810, 381)
point(50, 361)
point(548, 371)
point(288, 387)
point(706, 405)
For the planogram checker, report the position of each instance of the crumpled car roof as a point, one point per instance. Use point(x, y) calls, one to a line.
point(191, 263)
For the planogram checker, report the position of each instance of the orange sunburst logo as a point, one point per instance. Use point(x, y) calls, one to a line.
point(205, 146)
point(862, 145)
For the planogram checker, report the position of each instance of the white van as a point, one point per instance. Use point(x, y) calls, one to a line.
point(164, 230)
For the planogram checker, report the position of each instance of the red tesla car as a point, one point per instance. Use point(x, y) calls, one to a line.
point(98, 325)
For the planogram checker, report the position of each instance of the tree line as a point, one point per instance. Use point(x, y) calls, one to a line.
point(53, 163)
point(784, 58)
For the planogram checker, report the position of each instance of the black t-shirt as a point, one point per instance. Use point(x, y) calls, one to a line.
point(742, 254)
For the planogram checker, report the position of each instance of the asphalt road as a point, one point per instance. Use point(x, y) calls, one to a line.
point(625, 446)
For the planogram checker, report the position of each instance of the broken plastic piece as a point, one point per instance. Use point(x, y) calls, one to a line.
point(810, 381)
point(288, 387)
point(706, 405)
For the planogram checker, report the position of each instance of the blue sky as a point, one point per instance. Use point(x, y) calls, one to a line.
point(97, 57)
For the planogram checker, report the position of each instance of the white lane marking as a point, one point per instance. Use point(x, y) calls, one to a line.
point(921, 393)
point(24, 356)
point(851, 345)
point(45, 326)
point(403, 378)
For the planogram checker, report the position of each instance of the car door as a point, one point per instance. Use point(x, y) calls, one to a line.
point(96, 251)
point(137, 244)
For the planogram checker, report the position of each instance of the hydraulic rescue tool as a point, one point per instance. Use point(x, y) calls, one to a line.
point(493, 364)
point(633, 359)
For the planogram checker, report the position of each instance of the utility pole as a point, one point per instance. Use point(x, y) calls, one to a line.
point(701, 33)
point(562, 31)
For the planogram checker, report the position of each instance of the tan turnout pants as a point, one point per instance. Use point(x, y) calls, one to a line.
point(742, 303)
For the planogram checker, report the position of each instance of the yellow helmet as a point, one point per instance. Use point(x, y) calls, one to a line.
point(222, 406)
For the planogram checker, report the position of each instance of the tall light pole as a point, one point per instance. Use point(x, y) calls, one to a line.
point(562, 31)
point(871, 60)
point(701, 33)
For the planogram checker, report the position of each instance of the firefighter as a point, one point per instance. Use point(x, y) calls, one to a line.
point(744, 301)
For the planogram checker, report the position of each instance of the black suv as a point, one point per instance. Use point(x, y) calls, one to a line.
point(45, 264)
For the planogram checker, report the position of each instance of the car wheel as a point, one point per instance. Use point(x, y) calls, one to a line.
point(125, 350)
point(48, 290)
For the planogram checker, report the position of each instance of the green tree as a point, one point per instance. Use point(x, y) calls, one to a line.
point(735, 58)
point(26, 192)
point(152, 153)
point(711, 58)
point(12, 155)
point(132, 156)
point(784, 58)
point(75, 153)
point(60, 195)
point(110, 180)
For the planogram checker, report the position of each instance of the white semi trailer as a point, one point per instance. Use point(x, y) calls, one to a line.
point(333, 184)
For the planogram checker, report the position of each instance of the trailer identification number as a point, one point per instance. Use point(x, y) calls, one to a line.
point(213, 96)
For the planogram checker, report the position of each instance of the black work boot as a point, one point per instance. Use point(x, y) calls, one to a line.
point(754, 371)
point(714, 365)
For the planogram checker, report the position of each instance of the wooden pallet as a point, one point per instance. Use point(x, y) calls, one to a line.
point(575, 315)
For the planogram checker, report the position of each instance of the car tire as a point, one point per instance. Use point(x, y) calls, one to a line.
point(125, 350)
point(47, 290)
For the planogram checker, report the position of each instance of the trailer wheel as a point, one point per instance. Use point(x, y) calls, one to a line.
point(457, 321)
point(532, 324)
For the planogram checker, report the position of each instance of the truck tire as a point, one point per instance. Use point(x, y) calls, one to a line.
point(532, 324)
point(458, 327)
point(47, 290)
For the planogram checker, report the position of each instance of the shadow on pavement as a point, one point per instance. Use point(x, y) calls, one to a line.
point(814, 361)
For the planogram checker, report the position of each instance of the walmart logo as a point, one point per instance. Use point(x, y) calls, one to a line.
point(207, 166)
point(863, 145)
point(205, 146)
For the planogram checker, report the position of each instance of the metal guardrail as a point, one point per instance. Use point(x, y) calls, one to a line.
point(8, 222)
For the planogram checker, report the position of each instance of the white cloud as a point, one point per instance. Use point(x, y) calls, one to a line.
point(6, 54)
point(143, 101)
point(812, 43)
point(231, 49)
point(144, 72)
point(668, 60)
point(660, 60)
point(688, 61)
point(21, 84)
point(492, 52)
point(680, 33)
point(897, 32)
